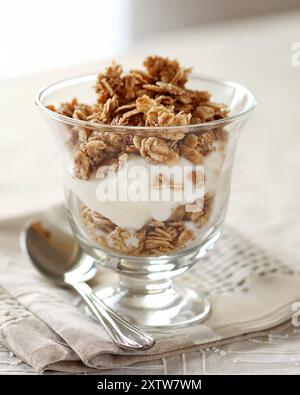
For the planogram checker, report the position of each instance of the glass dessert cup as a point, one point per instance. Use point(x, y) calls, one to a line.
point(149, 243)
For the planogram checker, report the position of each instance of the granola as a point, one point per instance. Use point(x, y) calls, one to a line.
point(157, 102)
point(166, 70)
point(195, 147)
point(155, 149)
point(155, 238)
point(156, 97)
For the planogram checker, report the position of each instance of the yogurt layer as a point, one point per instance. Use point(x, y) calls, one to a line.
point(125, 196)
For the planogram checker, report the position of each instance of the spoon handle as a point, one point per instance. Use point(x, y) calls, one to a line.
point(124, 334)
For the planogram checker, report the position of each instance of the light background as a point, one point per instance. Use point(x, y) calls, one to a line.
point(42, 35)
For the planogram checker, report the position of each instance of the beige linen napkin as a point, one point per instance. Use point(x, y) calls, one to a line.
point(250, 291)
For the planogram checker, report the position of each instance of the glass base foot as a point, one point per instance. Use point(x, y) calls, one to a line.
point(173, 307)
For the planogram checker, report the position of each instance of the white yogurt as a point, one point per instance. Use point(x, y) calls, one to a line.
point(100, 194)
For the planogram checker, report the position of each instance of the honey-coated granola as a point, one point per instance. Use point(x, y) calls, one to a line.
point(156, 97)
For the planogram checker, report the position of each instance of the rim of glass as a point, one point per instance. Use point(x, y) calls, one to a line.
point(45, 91)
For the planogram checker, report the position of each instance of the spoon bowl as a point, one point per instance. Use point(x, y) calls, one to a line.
point(57, 255)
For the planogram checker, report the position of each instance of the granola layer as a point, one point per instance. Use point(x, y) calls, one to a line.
point(155, 238)
point(155, 97)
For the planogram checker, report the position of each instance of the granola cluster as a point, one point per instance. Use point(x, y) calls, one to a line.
point(155, 238)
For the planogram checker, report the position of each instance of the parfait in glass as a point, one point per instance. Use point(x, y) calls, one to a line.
point(147, 159)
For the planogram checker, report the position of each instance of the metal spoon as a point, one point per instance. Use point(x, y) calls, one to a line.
point(59, 258)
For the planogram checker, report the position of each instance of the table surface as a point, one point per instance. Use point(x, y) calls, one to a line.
point(265, 187)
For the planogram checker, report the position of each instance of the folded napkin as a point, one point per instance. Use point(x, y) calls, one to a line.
point(250, 291)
